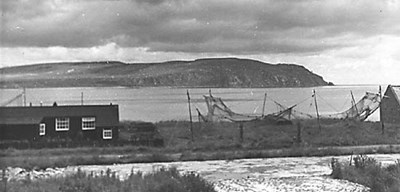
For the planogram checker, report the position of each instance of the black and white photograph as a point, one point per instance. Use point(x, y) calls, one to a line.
point(200, 95)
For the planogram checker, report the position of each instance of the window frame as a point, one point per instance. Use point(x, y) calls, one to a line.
point(65, 122)
point(88, 120)
point(42, 129)
point(105, 136)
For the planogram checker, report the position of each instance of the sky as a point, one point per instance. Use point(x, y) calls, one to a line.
point(344, 41)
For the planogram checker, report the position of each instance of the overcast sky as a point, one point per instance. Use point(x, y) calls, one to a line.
point(345, 41)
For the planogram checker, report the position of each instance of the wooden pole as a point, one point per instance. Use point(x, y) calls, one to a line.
point(81, 98)
point(316, 109)
point(299, 139)
point(380, 111)
point(263, 109)
point(198, 115)
point(241, 131)
point(354, 101)
point(24, 92)
point(190, 116)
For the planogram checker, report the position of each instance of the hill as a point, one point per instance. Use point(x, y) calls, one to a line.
point(219, 72)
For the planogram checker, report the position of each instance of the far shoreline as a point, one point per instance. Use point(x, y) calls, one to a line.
point(196, 87)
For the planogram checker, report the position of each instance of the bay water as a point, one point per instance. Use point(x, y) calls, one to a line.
point(165, 103)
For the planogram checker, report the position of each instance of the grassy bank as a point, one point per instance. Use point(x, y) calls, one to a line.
point(261, 135)
point(161, 181)
point(222, 141)
point(368, 172)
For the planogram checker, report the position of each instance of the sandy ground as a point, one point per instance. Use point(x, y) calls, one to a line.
point(274, 174)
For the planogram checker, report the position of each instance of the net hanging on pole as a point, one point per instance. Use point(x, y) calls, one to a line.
point(361, 110)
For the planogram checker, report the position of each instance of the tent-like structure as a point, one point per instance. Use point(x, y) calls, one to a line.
point(390, 106)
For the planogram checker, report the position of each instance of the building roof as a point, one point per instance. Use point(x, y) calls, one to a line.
point(106, 115)
point(20, 120)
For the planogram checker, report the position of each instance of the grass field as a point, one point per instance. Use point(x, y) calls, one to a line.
point(218, 141)
point(258, 135)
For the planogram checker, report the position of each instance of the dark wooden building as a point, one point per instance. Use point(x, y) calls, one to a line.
point(69, 122)
point(390, 105)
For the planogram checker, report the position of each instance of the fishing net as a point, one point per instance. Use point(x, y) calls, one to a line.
point(217, 110)
point(367, 105)
point(17, 101)
point(361, 110)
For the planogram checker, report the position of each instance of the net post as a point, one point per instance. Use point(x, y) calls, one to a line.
point(354, 103)
point(316, 109)
point(380, 111)
point(190, 116)
point(263, 109)
point(241, 131)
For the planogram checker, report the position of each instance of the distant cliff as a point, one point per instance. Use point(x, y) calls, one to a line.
point(219, 72)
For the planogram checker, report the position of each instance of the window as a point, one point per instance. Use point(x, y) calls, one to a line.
point(107, 133)
point(42, 129)
point(62, 124)
point(88, 123)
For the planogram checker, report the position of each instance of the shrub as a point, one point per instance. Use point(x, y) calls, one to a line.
point(368, 172)
point(363, 161)
point(164, 180)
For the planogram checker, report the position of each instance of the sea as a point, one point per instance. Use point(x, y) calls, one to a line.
point(168, 104)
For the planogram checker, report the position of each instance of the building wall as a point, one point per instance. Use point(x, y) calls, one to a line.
point(31, 131)
point(75, 131)
point(19, 132)
point(390, 108)
point(22, 123)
